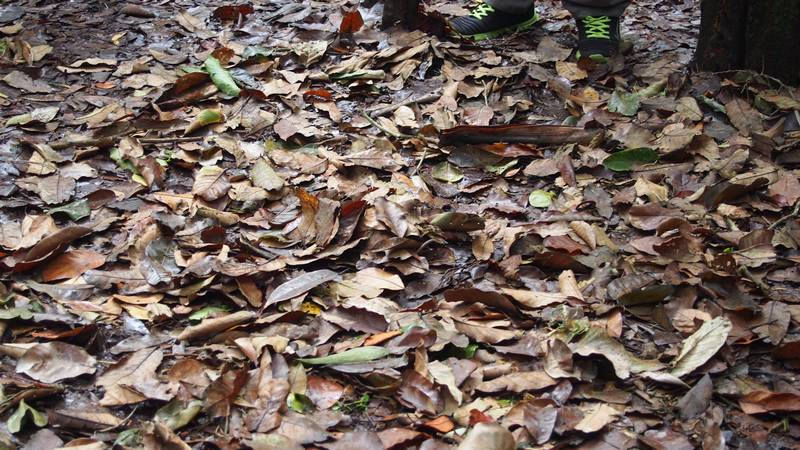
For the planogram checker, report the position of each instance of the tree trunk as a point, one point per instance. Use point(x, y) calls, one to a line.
point(751, 34)
point(403, 11)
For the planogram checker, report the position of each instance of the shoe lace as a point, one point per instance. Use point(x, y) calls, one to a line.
point(597, 27)
point(481, 11)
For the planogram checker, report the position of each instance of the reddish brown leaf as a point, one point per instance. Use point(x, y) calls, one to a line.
point(232, 12)
point(223, 391)
point(71, 264)
point(351, 22)
point(758, 402)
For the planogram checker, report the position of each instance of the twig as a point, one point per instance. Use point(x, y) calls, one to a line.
point(109, 141)
point(421, 160)
point(171, 140)
point(28, 394)
point(385, 131)
point(745, 272)
point(82, 142)
point(795, 212)
point(124, 421)
point(377, 112)
point(570, 217)
point(518, 134)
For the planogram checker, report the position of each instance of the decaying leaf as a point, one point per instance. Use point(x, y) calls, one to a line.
point(701, 346)
point(55, 361)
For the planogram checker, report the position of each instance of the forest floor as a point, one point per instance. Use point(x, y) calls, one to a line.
point(273, 225)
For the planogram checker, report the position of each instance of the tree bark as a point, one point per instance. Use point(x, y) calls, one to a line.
point(773, 37)
point(403, 11)
point(751, 34)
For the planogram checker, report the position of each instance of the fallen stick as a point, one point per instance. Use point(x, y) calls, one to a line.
point(427, 98)
point(210, 327)
point(518, 134)
point(109, 141)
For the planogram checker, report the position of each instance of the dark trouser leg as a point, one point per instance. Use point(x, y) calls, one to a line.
point(512, 6)
point(584, 8)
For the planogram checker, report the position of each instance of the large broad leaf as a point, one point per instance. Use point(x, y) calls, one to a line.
point(211, 183)
point(597, 342)
point(627, 159)
point(701, 346)
point(264, 176)
point(221, 78)
point(55, 361)
point(352, 356)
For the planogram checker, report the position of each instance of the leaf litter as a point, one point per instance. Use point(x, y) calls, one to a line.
point(281, 226)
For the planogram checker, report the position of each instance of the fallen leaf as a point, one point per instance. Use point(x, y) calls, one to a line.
point(55, 361)
point(698, 348)
point(72, 264)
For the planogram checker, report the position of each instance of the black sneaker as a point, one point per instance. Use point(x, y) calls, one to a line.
point(485, 22)
point(598, 37)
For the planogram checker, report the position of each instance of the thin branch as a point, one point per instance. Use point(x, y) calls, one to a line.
point(427, 98)
point(795, 212)
point(384, 130)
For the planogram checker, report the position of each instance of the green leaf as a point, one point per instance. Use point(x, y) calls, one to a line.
point(352, 356)
point(122, 162)
point(129, 438)
point(541, 199)
point(654, 89)
point(189, 69)
point(42, 115)
point(299, 403)
point(627, 159)
point(207, 311)
point(204, 118)
point(17, 420)
point(713, 104)
point(16, 313)
point(624, 103)
point(177, 414)
point(221, 78)
point(76, 210)
point(502, 168)
point(444, 171)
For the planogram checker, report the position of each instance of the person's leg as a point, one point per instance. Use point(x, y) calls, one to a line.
point(512, 6)
point(584, 8)
point(495, 17)
point(598, 26)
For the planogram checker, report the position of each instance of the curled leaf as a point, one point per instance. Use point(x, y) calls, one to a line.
point(625, 160)
point(205, 118)
point(221, 78)
point(352, 356)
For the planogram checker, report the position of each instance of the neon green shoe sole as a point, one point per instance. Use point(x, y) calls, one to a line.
point(600, 59)
point(522, 26)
